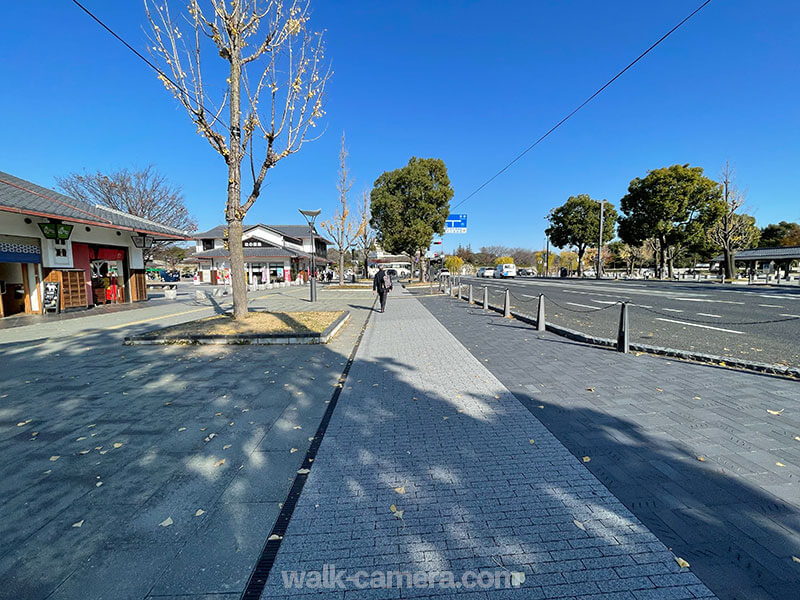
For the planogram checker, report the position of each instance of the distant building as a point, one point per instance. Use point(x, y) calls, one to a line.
point(72, 252)
point(378, 258)
point(271, 252)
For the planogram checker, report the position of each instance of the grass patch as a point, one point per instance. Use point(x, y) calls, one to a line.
point(255, 323)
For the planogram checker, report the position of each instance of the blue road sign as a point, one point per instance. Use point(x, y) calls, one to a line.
point(456, 224)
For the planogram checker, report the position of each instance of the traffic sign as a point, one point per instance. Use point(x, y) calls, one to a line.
point(456, 224)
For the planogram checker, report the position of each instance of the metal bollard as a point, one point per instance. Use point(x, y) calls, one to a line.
point(540, 324)
point(485, 298)
point(507, 305)
point(470, 293)
point(623, 342)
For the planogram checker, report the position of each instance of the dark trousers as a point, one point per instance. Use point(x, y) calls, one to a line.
point(382, 295)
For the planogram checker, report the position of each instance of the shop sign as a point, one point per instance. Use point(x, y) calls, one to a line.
point(52, 296)
point(56, 231)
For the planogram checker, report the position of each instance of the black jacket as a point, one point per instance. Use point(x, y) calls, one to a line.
point(377, 282)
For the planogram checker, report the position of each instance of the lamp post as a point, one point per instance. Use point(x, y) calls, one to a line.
point(310, 216)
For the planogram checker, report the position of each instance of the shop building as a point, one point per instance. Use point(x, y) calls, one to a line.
point(272, 253)
point(59, 253)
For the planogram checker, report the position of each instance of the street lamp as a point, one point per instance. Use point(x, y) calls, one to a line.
point(310, 216)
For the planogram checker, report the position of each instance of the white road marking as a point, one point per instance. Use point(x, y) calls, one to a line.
point(673, 309)
point(642, 305)
point(706, 300)
point(709, 315)
point(699, 325)
point(581, 305)
point(770, 306)
point(601, 301)
point(785, 315)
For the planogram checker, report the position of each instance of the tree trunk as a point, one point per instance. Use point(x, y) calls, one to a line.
point(233, 212)
point(238, 281)
point(581, 252)
point(662, 259)
point(341, 268)
point(729, 263)
point(421, 265)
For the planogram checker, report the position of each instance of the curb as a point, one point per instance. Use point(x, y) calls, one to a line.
point(247, 338)
point(720, 361)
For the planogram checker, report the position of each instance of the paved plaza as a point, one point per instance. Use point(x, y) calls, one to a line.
point(430, 464)
point(150, 471)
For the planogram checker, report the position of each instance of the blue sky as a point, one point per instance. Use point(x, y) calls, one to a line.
point(470, 82)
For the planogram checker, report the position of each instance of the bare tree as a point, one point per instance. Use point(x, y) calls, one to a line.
point(734, 230)
point(365, 235)
point(285, 61)
point(340, 227)
point(144, 193)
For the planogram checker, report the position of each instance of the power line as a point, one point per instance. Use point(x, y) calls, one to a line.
point(145, 59)
point(584, 103)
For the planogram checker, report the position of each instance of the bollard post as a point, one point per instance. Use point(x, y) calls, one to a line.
point(623, 342)
point(485, 298)
point(540, 323)
point(470, 293)
point(507, 305)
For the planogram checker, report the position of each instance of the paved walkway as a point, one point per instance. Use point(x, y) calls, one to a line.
point(103, 443)
point(429, 464)
point(644, 421)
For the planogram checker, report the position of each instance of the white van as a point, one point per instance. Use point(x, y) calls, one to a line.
point(505, 270)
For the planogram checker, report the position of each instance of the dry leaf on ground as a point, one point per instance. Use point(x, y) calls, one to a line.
point(681, 563)
point(54, 458)
point(117, 444)
point(199, 512)
point(579, 525)
point(166, 522)
point(517, 578)
point(586, 459)
point(400, 490)
point(775, 412)
point(701, 458)
point(220, 462)
point(78, 524)
point(274, 537)
point(303, 471)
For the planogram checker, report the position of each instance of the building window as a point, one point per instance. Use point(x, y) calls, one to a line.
point(208, 244)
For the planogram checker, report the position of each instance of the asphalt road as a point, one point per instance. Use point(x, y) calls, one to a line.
point(754, 323)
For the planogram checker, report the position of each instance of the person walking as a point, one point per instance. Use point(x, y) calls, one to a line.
point(382, 284)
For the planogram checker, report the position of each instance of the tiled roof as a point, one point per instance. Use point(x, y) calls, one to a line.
point(249, 253)
point(25, 197)
point(298, 232)
point(778, 253)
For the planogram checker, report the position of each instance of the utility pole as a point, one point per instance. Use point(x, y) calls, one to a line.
point(547, 258)
point(600, 241)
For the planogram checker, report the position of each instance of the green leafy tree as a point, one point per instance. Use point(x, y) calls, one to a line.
point(569, 260)
point(778, 234)
point(503, 260)
point(410, 205)
point(576, 223)
point(673, 205)
point(454, 264)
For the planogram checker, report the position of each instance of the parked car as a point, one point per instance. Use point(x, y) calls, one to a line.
point(480, 272)
point(393, 274)
point(505, 270)
point(486, 272)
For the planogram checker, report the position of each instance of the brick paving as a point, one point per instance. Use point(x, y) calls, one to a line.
point(487, 488)
point(644, 421)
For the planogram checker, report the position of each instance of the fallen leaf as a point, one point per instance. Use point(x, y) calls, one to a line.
point(414, 398)
point(98, 484)
point(297, 427)
point(681, 563)
point(795, 559)
point(84, 452)
point(24, 423)
point(274, 537)
point(579, 525)
point(103, 451)
point(35, 433)
point(54, 458)
point(226, 446)
point(400, 490)
point(659, 390)
point(311, 439)
point(541, 406)
point(166, 522)
point(78, 524)
point(292, 450)
point(531, 441)
point(697, 398)
point(444, 418)
point(517, 578)
point(220, 462)
point(775, 412)
point(80, 439)
point(586, 459)
point(589, 389)
point(181, 428)
point(200, 512)
point(701, 458)
point(219, 414)
point(779, 464)
point(117, 444)
point(303, 471)
point(797, 437)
